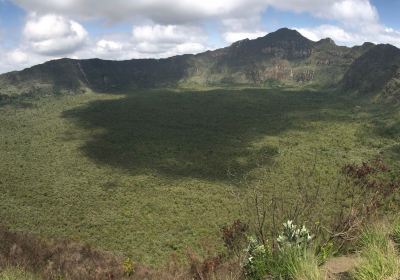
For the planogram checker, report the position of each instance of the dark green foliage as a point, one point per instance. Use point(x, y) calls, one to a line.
point(155, 172)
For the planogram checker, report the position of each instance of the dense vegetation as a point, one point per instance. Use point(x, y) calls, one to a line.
point(156, 176)
point(155, 172)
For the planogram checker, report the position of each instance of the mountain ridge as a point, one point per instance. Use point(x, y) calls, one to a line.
point(282, 57)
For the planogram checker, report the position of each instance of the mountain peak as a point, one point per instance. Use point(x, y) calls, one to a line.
point(327, 41)
point(286, 34)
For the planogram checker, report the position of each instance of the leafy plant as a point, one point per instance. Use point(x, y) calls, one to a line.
point(325, 251)
point(128, 267)
point(294, 236)
point(255, 266)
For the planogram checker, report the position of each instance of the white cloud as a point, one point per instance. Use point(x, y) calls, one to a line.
point(239, 18)
point(105, 47)
point(161, 11)
point(54, 35)
point(231, 37)
point(17, 56)
point(17, 59)
point(236, 29)
point(186, 48)
point(353, 37)
point(181, 11)
point(172, 34)
point(349, 11)
point(354, 12)
point(166, 40)
point(147, 41)
point(336, 33)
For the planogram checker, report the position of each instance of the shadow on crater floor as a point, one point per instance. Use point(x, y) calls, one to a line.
point(205, 135)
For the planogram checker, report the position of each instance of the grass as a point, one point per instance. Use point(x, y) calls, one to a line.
point(292, 265)
point(396, 234)
point(307, 268)
point(152, 173)
point(379, 258)
point(16, 274)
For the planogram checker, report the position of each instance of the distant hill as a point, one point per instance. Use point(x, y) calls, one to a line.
point(376, 71)
point(283, 57)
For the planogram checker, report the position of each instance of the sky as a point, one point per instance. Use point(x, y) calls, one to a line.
point(35, 31)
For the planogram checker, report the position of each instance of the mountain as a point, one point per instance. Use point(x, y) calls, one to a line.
point(283, 57)
point(376, 71)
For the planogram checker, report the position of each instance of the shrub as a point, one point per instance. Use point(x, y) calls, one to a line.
point(325, 251)
point(294, 236)
point(128, 267)
point(293, 260)
point(234, 237)
point(256, 264)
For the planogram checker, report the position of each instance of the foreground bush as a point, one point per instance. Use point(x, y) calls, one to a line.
point(293, 260)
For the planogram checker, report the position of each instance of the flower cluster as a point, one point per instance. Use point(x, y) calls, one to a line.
point(294, 236)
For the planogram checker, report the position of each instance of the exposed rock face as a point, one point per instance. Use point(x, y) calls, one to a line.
point(305, 76)
point(284, 56)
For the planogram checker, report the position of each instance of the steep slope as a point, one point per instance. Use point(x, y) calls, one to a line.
point(71, 76)
point(283, 57)
point(376, 71)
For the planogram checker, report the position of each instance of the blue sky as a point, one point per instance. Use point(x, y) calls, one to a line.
point(34, 31)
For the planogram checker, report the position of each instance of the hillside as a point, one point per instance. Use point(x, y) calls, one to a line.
point(283, 57)
point(377, 70)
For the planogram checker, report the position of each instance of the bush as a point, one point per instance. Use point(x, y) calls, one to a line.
point(293, 260)
point(325, 251)
point(256, 264)
point(128, 267)
point(234, 237)
point(294, 236)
